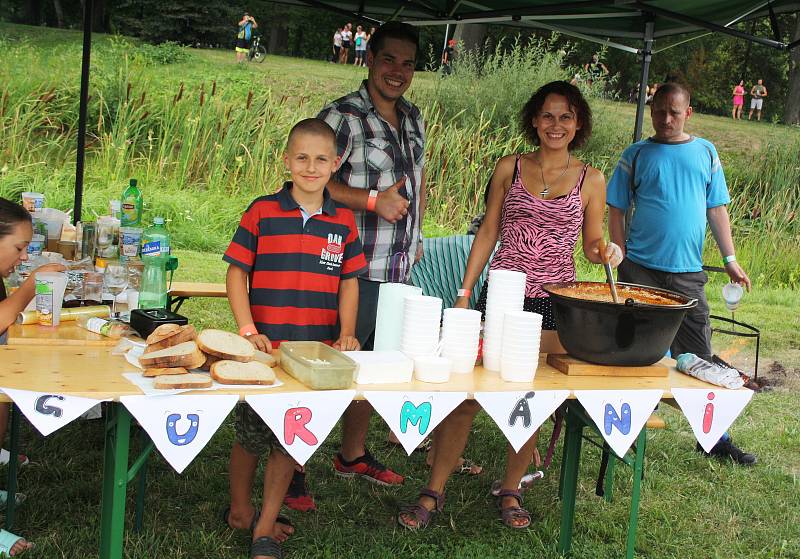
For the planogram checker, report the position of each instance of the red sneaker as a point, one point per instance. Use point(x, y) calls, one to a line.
point(298, 497)
point(367, 467)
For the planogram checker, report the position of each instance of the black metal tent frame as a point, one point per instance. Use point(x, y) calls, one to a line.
point(536, 15)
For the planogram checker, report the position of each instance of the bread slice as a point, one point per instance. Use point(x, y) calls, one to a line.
point(189, 380)
point(161, 371)
point(235, 372)
point(210, 360)
point(168, 335)
point(226, 345)
point(186, 355)
point(265, 358)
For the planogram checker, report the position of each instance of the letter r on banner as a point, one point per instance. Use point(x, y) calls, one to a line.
point(416, 415)
point(294, 425)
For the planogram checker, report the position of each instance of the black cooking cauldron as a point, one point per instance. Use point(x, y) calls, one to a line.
point(629, 333)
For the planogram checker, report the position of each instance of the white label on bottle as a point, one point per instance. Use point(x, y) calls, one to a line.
point(95, 325)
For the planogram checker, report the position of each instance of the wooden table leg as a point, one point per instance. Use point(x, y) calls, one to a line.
point(572, 455)
point(115, 482)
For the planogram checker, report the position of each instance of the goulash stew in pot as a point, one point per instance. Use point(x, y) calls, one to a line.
point(600, 292)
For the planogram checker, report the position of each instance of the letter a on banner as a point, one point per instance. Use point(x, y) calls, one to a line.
point(180, 426)
point(412, 416)
point(301, 420)
point(49, 412)
point(619, 414)
point(520, 414)
point(710, 411)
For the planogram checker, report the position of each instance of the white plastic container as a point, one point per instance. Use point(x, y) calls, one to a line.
point(32, 201)
point(50, 287)
point(431, 368)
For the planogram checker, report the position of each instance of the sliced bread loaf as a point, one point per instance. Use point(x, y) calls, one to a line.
point(189, 380)
point(186, 355)
point(235, 372)
point(162, 371)
point(168, 335)
point(226, 345)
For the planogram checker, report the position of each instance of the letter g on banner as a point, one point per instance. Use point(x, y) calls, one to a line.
point(42, 407)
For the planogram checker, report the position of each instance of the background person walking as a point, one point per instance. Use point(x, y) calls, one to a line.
point(757, 94)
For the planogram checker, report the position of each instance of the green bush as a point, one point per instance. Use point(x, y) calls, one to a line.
point(168, 52)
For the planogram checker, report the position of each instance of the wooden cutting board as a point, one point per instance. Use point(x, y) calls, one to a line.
point(572, 366)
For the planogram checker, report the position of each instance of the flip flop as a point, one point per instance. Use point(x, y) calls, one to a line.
point(266, 546)
point(7, 541)
point(468, 467)
point(19, 499)
point(280, 520)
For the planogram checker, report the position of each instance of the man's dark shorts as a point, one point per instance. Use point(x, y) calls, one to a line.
point(253, 434)
point(242, 44)
point(694, 335)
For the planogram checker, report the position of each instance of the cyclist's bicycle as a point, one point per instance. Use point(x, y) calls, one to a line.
point(257, 52)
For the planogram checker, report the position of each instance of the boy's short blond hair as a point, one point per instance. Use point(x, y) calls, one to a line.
point(315, 126)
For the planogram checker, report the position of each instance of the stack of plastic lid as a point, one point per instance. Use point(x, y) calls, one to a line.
point(506, 293)
point(522, 333)
point(461, 332)
point(422, 318)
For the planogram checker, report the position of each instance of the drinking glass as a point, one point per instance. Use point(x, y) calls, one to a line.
point(115, 280)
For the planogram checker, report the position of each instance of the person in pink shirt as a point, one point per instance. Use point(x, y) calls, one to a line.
point(738, 100)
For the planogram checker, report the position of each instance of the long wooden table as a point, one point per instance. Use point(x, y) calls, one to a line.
point(180, 291)
point(93, 372)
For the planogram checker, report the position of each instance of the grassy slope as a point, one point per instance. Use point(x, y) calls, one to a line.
point(692, 507)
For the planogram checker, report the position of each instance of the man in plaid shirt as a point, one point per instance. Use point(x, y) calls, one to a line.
point(381, 139)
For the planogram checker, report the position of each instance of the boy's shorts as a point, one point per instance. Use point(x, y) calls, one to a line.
point(253, 434)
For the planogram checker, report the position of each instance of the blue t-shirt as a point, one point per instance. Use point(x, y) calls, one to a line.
point(674, 186)
point(246, 31)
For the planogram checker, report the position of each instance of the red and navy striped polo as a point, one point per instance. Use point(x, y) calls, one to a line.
point(295, 268)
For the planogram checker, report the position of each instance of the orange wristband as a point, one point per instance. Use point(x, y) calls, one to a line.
point(248, 330)
point(464, 292)
point(372, 200)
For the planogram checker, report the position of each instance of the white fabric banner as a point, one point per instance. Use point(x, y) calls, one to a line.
point(710, 411)
point(49, 412)
point(412, 416)
point(520, 414)
point(619, 414)
point(301, 420)
point(180, 426)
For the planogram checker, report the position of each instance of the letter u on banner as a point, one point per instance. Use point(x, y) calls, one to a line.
point(710, 411)
point(619, 414)
point(180, 426)
point(49, 412)
point(301, 420)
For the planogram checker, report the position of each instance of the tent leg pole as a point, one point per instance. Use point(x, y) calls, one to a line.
point(446, 34)
point(647, 53)
point(88, 8)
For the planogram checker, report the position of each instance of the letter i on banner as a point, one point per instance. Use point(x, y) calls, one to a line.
point(180, 426)
point(710, 411)
point(49, 412)
point(413, 415)
point(620, 415)
point(301, 420)
point(520, 414)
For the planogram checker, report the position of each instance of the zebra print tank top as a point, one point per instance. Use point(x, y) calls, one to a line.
point(538, 236)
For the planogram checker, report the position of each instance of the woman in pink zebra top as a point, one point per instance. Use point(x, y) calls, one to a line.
point(538, 203)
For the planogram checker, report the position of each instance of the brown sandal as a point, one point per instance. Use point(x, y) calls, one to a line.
point(421, 515)
point(509, 514)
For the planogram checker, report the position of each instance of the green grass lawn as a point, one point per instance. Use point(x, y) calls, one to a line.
point(692, 507)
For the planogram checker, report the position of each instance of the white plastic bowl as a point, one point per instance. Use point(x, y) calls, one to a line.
point(431, 368)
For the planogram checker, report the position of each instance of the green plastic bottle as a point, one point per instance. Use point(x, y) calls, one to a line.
point(155, 254)
point(131, 206)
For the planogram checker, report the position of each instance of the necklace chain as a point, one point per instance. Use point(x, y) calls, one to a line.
point(546, 189)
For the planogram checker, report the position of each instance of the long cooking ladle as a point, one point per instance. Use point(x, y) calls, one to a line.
point(609, 274)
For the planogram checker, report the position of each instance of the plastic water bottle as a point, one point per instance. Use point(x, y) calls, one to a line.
point(155, 254)
point(155, 240)
point(693, 365)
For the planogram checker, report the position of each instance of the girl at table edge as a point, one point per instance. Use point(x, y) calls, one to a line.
point(16, 230)
point(538, 202)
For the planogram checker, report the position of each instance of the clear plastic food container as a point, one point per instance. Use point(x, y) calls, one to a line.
point(318, 366)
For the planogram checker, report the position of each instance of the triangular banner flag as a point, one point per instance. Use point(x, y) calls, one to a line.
point(619, 414)
point(710, 411)
point(412, 416)
point(520, 414)
point(180, 426)
point(301, 420)
point(49, 412)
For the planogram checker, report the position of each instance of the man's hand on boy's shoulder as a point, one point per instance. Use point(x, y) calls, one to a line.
point(260, 342)
point(347, 343)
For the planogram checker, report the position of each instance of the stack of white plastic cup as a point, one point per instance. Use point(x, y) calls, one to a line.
point(506, 293)
point(522, 334)
point(422, 318)
point(461, 333)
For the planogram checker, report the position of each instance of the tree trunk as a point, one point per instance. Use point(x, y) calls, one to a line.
point(99, 16)
point(32, 12)
point(791, 112)
point(470, 35)
point(59, 13)
point(278, 37)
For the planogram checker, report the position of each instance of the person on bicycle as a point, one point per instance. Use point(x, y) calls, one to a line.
point(245, 35)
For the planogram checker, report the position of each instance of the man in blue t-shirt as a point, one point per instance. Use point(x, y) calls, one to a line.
point(676, 184)
point(244, 36)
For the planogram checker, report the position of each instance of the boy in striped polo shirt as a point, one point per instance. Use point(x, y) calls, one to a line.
point(299, 253)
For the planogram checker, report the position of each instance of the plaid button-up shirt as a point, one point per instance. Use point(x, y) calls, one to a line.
point(374, 157)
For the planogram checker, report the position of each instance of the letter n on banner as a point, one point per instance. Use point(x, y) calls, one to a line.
point(180, 426)
point(619, 414)
point(49, 412)
point(710, 411)
point(520, 414)
point(413, 415)
point(301, 420)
